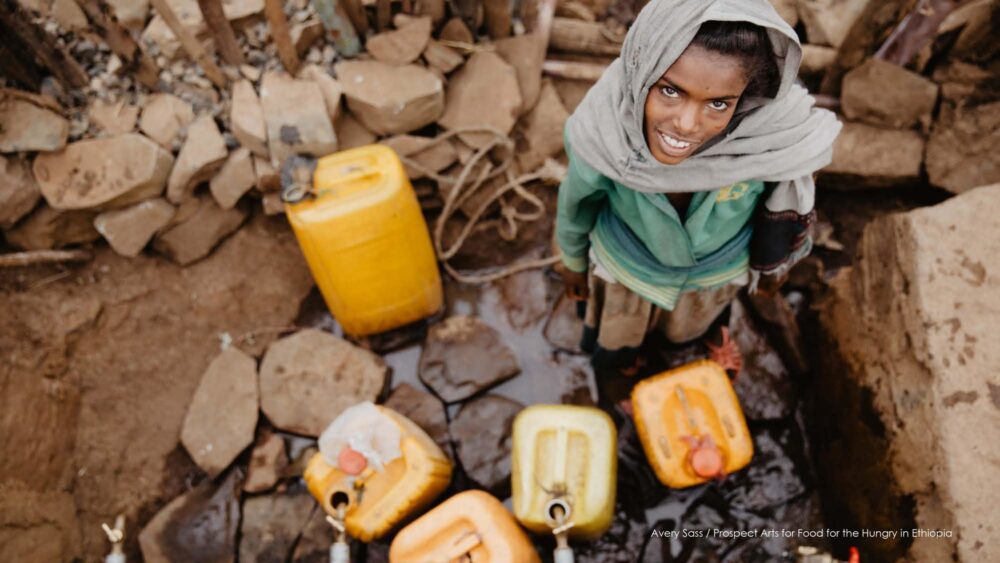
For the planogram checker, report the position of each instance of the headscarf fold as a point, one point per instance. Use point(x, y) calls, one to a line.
point(782, 140)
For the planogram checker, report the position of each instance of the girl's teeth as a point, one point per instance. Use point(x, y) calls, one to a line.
point(675, 143)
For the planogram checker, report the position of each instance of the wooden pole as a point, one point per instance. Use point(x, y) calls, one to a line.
point(497, 18)
point(383, 14)
point(41, 45)
point(576, 36)
point(222, 32)
point(133, 58)
point(16, 60)
point(572, 70)
point(33, 257)
point(355, 11)
point(432, 8)
point(918, 28)
point(191, 44)
point(275, 12)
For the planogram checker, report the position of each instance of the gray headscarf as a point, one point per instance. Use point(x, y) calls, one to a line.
point(782, 140)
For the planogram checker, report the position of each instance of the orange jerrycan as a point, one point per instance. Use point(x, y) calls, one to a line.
point(365, 238)
point(375, 468)
point(470, 526)
point(690, 424)
point(563, 471)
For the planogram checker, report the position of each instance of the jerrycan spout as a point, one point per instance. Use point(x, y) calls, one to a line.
point(559, 511)
point(340, 551)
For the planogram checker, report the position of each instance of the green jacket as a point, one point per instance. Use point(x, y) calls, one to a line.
point(643, 242)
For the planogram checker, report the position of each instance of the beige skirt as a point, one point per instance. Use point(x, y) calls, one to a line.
point(618, 319)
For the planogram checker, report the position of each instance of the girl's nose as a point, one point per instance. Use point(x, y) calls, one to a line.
point(686, 120)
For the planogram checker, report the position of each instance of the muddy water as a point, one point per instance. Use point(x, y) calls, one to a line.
point(652, 523)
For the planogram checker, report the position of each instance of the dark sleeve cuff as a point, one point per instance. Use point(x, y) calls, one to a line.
point(777, 235)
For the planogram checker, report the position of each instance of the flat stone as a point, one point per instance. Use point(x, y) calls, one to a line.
point(463, 356)
point(564, 328)
point(199, 225)
point(267, 462)
point(272, 204)
point(885, 94)
point(296, 117)
point(390, 99)
point(401, 46)
point(484, 93)
point(538, 136)
point(828, 21)
point(131, 13)
point(317, 537)
point(866, 156)
point(307, 379)
point(482, 433)
point(962, 149)
point(271, 525)
point(199, 525)
point(30, 122)
point(910, 360)
point(525, 297)
point(202, 155)
point(328, 86)
point(46, 228)
point(69, 15)
point(19, 192)
point(129, 230)
point(165, 118)
point(424, 409)
point(782, 328)
point(113, 118)
point(526, 54)
point(428, 153)
point(351, 133)
point(305, 34)
point(103, 173)
point(267, 177)
point(816, 59)
point(246, 118)
point(234, 179)
point(442, 57)
point(456, 30)
point(222, 415)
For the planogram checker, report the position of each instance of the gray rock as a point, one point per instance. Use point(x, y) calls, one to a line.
point(129, 230)
point(424, 409)
point(19, 192)
point(266, 463)
point(272, 523)
point(463, 356)
point(307, 379)
point(222, 416)
point(885, 94)
point(482, 433)
point(962, 150)
point(199, 225)
point(199, 526)
point(30, 122)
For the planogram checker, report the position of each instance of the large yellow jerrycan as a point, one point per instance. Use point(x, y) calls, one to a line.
point(375, 468)
point(470, 526)
point(690, 424)
point(563, 469)
point(366, 241)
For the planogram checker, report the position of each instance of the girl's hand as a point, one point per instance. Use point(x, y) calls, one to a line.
point(768, 286)
point(576, 284)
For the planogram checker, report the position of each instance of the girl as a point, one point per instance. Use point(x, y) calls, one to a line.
point(690, 175)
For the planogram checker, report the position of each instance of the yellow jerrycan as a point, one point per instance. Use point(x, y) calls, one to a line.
point(470, 526)
point(375, 468)
point(691, 425)
point(563, 472)
point(360, 227)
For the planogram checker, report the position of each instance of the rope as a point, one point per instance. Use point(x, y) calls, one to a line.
point(462, 190)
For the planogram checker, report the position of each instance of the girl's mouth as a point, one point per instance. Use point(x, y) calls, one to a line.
point(673, 146)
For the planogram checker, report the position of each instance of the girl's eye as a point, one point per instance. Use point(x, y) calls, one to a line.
point(721, 106)
point(669, 92)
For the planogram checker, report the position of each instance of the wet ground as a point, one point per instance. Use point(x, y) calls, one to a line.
point(652, 523)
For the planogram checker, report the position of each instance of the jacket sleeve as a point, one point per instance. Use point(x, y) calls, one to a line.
point(781, 227)
point(582, 194)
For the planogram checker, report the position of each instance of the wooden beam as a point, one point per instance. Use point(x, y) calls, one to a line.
point(41, 45)
point(17, 62)
point(498, 22)
point(222, 32)
point(32, 257)
point(917, 29)
point(576, 36)
point(276, 20)
point(191, 44)
point(572, 70)
point(133, 58)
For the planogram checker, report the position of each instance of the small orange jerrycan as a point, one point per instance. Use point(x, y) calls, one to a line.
point(563, 470)
point(470, 526)
point(375, 468)
point(690, 424)
point(360, 227)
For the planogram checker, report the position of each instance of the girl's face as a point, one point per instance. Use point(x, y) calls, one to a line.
point(691, 103)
